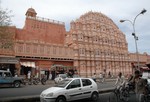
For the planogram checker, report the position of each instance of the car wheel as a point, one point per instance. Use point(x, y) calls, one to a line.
point(61, 99)
point(94, 96)
point(16, 84)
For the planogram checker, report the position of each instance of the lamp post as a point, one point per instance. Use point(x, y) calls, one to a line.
point(134, 34)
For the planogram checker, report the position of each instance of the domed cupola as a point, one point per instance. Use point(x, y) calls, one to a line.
point(31, 12)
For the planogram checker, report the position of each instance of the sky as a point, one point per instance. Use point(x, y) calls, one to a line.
point(68, 10)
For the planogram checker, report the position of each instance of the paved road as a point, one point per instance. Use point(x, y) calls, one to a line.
point(30, 90)
point(37, 89)
point(109, 97)
point(23, 91)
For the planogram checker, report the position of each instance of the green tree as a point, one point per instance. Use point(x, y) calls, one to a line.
point(6, 34)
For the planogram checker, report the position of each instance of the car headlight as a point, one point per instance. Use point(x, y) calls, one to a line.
point(50, 95)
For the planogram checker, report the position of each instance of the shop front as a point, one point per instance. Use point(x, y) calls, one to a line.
point(9, 64)
point(26, 67)
point(62, 69)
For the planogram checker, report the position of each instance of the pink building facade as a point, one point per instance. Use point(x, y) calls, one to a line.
point(94, 44)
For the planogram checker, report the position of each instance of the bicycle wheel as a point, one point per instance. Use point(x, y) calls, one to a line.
point(125, 95)
point(113, 97)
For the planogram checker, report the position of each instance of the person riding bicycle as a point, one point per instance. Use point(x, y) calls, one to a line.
point(120, 79)
point(140, 86)
point(120, 87)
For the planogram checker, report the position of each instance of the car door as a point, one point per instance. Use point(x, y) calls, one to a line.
point(87, 88)
point(74, 90)
point(7, 78)
point(1, 78)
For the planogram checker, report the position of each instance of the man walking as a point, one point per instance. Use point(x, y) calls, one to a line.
point(101, 77)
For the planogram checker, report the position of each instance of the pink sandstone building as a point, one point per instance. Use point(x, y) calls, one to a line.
point(93, 44)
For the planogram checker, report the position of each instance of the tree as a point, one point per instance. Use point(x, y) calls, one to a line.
point(6, 34)
point(5, 17)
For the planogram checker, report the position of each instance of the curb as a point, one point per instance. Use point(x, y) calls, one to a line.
point(32, 98)
point(35, 98)
point(106, 90)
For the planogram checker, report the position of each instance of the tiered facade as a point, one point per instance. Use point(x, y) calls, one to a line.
point(98, 45)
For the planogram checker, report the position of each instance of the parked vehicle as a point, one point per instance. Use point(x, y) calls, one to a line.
point(71, 89)
point(146, 73)
point(60, 77)
point(6, 78)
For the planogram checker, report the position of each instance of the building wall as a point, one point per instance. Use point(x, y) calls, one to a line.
point(148, 59)
point(41, 41)
point(42, 30)
point(143, 58)
point(42, 50)
point(98, 45)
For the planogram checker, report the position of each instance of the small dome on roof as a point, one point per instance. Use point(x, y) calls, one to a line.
point(31, 12)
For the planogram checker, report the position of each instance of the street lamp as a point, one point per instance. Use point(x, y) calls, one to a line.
point(134, 34)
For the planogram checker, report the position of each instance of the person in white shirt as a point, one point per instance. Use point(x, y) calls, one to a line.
point(29, 75)
point(120, 79)
point(101, 77)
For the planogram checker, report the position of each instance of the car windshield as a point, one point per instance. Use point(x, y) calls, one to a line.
point(63, 75)
point(63, 83)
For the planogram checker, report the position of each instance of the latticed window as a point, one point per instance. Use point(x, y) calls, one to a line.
point(60, 51)
point(97, 52)
point(35, 49)
point(80, 37)
point(41, 49)
point(82, 51)
point(20, 48)
point(48, 50)
point(65, 51)
point(28, 48)
point(54, 50)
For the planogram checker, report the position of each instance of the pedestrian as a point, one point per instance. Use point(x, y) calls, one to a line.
point(94, 77)
point(104, 76)
point(29, 75)
point(101, 77)
point(140, 86)
point(50, 76)
point(109, 74)
point(120, 79)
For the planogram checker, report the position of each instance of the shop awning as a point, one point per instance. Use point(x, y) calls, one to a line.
point(9, 60)
point(28, 64)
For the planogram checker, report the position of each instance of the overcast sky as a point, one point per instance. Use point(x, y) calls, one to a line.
point(68, 10)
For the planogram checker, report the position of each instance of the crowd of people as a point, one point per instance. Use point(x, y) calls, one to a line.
point(102, 76)
point(140, 85)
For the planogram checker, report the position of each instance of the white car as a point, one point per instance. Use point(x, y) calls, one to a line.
point(146, 75)
point(71, 89)
point(60, 77)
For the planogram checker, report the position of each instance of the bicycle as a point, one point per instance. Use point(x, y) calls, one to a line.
point(120, 94)
point(147, 95)
point(44, 80)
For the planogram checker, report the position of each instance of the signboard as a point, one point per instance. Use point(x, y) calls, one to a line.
point(8, 60)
